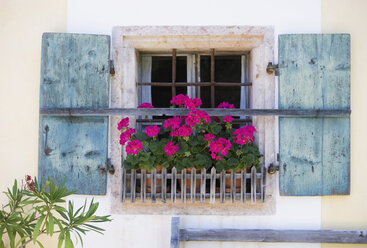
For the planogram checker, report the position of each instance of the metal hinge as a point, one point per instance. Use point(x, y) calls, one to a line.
point(109, 167)
point(274, 167)
point(272, 68)
point(112, 67)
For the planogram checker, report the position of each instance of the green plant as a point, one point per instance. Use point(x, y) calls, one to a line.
point(192, 141)
point(37, 208)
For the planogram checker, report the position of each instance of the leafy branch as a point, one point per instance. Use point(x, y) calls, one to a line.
point(37, 209)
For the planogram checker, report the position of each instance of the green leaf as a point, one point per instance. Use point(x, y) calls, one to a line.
point(68, 242)
point(37, 228)
point(40, 244)
point(51, 224)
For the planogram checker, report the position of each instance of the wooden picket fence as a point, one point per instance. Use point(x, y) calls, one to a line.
point(170, 186)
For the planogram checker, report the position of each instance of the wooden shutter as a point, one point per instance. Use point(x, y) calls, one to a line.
point(314, 73)
point(74, 74)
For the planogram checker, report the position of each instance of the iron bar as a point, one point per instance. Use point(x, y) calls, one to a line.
point(174, 72)
point(200, 84)
point(212, 71)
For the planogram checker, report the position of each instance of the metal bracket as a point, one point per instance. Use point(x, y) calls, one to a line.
point(112, 67)
point(273, 168)
point(109, 167)
point(272, 68)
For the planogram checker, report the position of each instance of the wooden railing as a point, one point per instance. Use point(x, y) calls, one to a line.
point(170, 186)
point(264, 235)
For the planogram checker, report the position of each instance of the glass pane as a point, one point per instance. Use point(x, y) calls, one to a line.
point(227, 70)
point(162, 72)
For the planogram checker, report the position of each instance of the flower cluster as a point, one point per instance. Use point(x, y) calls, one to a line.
point(145, 105)
point(173, 123)
point(195, 139)
point(219, 146)
point(197, 117)
point(133, 147)
point(152, 131)
point(244, 135)
point(123, 123)
point(125, 136)
point(171, 148)
point(126, 132)
point(226, 105)
point(29, 183)
point(227, 118)
point(179, 100)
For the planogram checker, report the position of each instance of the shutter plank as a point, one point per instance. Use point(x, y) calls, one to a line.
point(74, 74)
point(314, 152)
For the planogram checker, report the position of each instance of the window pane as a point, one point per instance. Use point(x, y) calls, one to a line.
point(162, 72)
point(228, 70)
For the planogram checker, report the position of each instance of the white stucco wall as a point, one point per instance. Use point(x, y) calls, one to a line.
point(287, 16)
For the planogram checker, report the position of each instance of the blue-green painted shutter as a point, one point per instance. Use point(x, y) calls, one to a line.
point(74, 74)
point(314, 73)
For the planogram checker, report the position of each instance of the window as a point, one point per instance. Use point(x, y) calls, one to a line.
point(144, 53)
point(78, 108)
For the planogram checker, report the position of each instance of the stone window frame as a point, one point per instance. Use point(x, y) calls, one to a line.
point(129, 41)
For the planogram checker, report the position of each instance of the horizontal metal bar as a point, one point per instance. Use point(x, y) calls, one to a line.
point(202, 84)
point(267, 235)
point(181, 111)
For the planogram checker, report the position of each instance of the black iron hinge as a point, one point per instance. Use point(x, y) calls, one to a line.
point(272, 69)
point(109, 167)
point(112, 67)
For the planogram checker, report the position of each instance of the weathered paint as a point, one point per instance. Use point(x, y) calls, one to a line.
point(74, 73)
point(75, 70)
point(74, 148)
point(314, 152)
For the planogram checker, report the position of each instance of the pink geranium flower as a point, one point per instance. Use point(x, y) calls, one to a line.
point(179, 99)
point(244, 135)
point(173, 123)
point(145, 105)
point(184, 131)
point(133, 147)
point(226, 105)
point(171, 148)
point(152, 131)
point(125, 136)
point(209, 137)
point(193, 103)
point(123, 123)
point(228, 119)
point(196, 117)
point(219, 146)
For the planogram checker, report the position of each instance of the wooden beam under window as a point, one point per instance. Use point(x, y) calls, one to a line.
point(181, 111)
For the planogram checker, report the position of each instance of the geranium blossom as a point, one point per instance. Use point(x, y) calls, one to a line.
point(192, 103)
point(209, 136)
point(125, 136)
point(145, 105)
point(171, 148)
point(173, 123)
point(226, 105)
point(244, 135)
point(197, 116)
point(123, 123)
point(179, 99)
point(221, 146)
point(152, 131)
point(228, 119)
point(184, 131)
point(174, 133)
point(133, 147)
